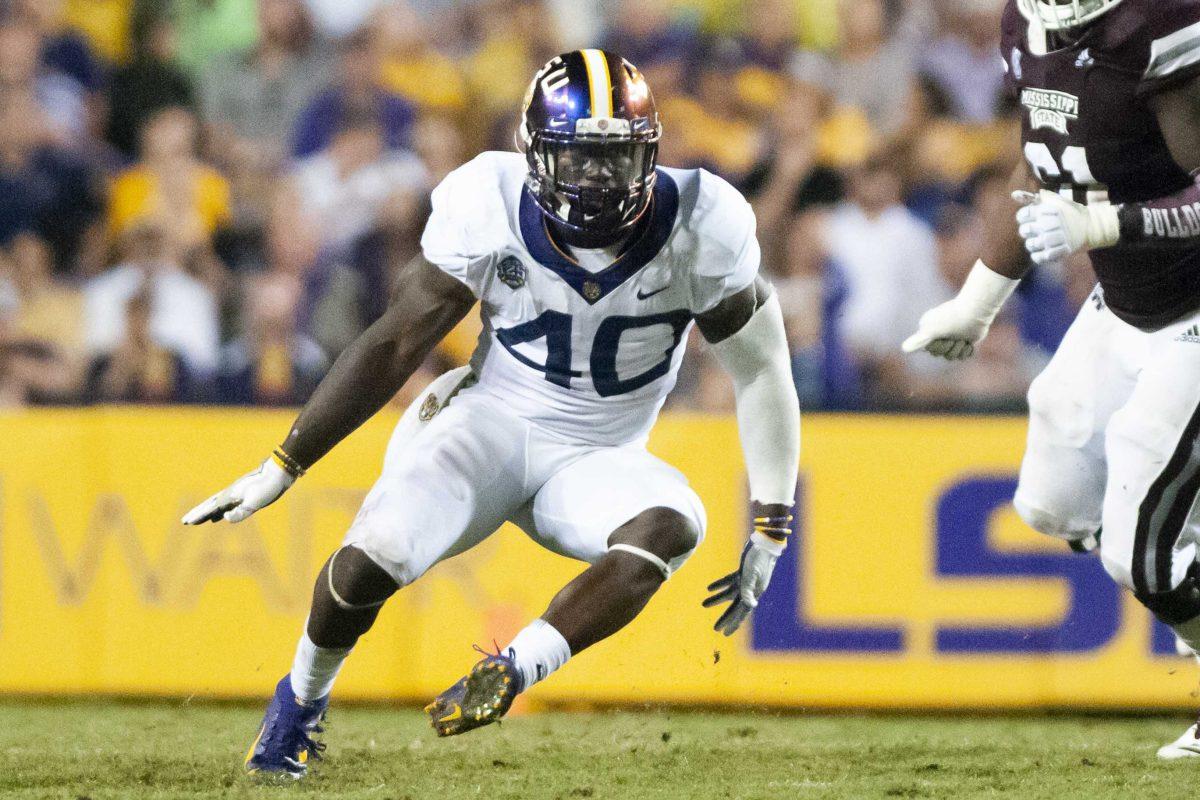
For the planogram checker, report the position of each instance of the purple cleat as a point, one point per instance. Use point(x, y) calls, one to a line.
point(284, 743)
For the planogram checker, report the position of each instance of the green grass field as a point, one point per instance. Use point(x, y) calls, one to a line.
point(102, 750)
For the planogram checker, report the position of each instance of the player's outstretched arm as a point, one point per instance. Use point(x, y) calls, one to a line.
point(952, 329)
point(747, 335)
point(425, 305)
point(1054, 226)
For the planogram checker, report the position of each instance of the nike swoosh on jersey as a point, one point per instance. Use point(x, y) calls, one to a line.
point(644, 295)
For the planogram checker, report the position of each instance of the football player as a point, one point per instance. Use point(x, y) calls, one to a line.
point(1110, 96)
point(591, 264)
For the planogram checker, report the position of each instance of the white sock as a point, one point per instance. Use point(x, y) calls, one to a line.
point(538, 650)
point(315, 669)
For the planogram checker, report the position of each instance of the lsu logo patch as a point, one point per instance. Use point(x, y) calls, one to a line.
point(429, 408)
point(511, 272)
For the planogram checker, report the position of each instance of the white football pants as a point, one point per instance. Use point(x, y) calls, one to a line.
point(1114, 445)
point(456, 472)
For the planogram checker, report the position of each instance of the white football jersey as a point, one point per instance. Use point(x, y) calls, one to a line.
point(589, 356)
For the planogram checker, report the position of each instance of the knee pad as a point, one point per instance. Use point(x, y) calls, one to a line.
point(1177, 606)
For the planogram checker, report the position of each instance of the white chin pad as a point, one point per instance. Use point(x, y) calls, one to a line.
point(663, 567)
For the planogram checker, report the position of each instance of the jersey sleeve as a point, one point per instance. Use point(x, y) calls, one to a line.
point(1169, 44)
point(729, 256)
point(449, 241)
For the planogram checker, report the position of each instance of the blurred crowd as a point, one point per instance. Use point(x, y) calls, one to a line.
point(205, 200)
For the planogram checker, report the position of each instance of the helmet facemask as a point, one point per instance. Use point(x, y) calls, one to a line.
point(597, 185)
point(1059, 15)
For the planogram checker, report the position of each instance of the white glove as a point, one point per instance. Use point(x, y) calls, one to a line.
point(249, 493)
point(952, 329)
point(742, 588)
point(1054, 227)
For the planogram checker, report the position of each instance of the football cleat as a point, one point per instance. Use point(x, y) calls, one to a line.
point(284, 743)
point(480, 698)
point(1186, 746)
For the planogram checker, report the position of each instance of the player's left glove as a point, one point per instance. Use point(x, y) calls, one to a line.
point(1054, 227)
point(743, 587)
point(251, 492)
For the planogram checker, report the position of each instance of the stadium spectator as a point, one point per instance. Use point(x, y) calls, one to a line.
point(889, 259)
point(712, 128)
point(515, 38)
point(650, 35)
point(346, 194)
point(868, 48)
point(64, 49)
point(44, 324)
point(183, 310)
point(150, 82)
point(790, 174)
point(139, 368)
point(46, 189)
point(272, 363)
point(411, 66)
point(356, 90)
point(813, 292)
point(251, 101)
point(961, 64)
point(440, 145)
point(170, 188)
point(104, 23)
point(63, 100)
point(345, 189)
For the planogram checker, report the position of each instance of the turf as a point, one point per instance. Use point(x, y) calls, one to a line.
point(101, 750)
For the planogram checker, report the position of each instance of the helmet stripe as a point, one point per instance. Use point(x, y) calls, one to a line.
point(599, 82)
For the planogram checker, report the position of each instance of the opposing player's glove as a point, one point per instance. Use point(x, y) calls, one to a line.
point(1054, 227)
point(952, 329)
point(251, 492)
point(742, 588)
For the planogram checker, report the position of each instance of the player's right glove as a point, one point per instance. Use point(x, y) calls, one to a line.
point(743, 587)
point(251, 492)
point(952, 329)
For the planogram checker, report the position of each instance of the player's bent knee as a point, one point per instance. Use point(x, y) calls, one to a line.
point(1180, 605)
point(391, 551)
point(356, 581)
point(663, 536)
point(1050, 523)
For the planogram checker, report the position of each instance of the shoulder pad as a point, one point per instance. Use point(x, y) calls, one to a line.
point(724, 222)
point(1152, 36)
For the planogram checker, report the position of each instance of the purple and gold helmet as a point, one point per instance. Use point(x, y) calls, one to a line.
point(590, 131)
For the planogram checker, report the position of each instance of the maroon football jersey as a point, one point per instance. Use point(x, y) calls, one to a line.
point(1088, 131)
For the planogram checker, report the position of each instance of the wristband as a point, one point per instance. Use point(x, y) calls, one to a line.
point(777, 528)
point(986, 291)
point(288, 464)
